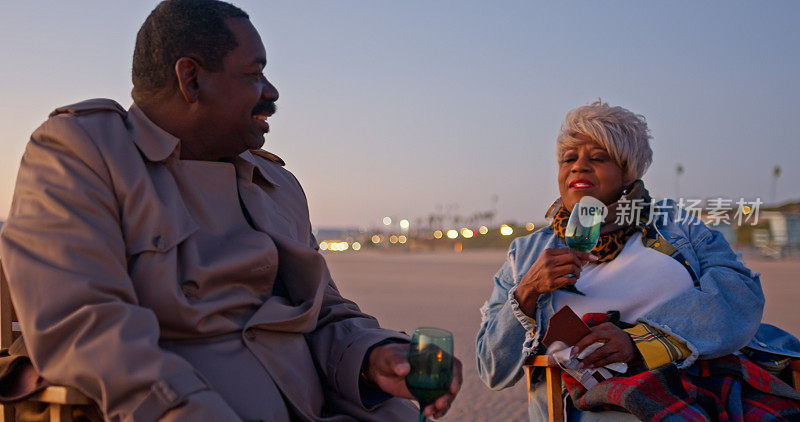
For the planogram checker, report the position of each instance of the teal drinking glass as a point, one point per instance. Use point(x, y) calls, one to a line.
point(581, 237)
point(431, 358)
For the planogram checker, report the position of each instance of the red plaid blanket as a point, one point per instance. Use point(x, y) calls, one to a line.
point(721, 389)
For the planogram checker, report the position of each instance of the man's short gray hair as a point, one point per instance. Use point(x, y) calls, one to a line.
point(619, 131)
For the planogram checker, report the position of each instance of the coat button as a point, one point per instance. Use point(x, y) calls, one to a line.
point(160, 242)
point(190, 289)
point(250, 334)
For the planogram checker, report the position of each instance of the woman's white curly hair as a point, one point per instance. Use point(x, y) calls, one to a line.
point(619, 131)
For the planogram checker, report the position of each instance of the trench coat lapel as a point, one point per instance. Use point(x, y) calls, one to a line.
point(301, 269)
point(266, 213)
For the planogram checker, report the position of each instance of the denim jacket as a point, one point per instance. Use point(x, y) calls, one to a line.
point(720, 315)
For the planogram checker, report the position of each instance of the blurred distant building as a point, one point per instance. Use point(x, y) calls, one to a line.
point(784, 228)
point(781, 234)
point(773, 231)
point(778, 231)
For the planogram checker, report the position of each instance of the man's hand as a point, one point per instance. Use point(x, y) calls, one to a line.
point(618, 346)
point(388, 368)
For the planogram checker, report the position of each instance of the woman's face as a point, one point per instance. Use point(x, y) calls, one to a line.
point(587, 169)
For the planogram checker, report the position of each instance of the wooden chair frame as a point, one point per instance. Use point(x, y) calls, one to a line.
point(555, 403)
point(60, 399)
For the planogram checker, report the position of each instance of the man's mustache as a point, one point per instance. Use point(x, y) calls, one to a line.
point(265, 109)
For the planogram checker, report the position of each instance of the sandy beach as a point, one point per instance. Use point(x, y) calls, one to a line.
point(446, 290)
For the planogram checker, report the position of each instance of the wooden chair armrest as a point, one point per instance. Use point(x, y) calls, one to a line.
point(795, 366)
point(58, 394)
point(541, 361)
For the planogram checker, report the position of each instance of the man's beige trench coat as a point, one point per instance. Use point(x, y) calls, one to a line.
point(139, 280)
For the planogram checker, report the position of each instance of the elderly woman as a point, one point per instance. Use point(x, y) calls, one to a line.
point(678, 303)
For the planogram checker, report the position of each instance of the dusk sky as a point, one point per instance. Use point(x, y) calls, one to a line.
point(400, 108)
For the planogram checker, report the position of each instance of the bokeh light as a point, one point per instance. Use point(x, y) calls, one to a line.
point(404, 224)
point(393, 239)
point(530, 226)
point(323, 246)
point(356, 246)
point(452, 234)
point(467, 233)
point(387, 221)
point(483, 230)
point(437, 234)
point(402, 239)
point(376, 239)
point(505, 230)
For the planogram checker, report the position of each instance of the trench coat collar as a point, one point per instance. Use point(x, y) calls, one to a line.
point(248, 166)
point(154, 142)
point(157, 145)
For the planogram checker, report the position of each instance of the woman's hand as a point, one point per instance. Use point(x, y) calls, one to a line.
point(550, 272)
point(618, 346)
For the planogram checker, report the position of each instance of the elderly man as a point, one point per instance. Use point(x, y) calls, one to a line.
point(164, 265)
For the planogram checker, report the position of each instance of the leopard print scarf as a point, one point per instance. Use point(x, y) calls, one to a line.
point(613, 236)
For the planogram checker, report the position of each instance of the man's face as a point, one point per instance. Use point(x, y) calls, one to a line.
point(234, 103)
